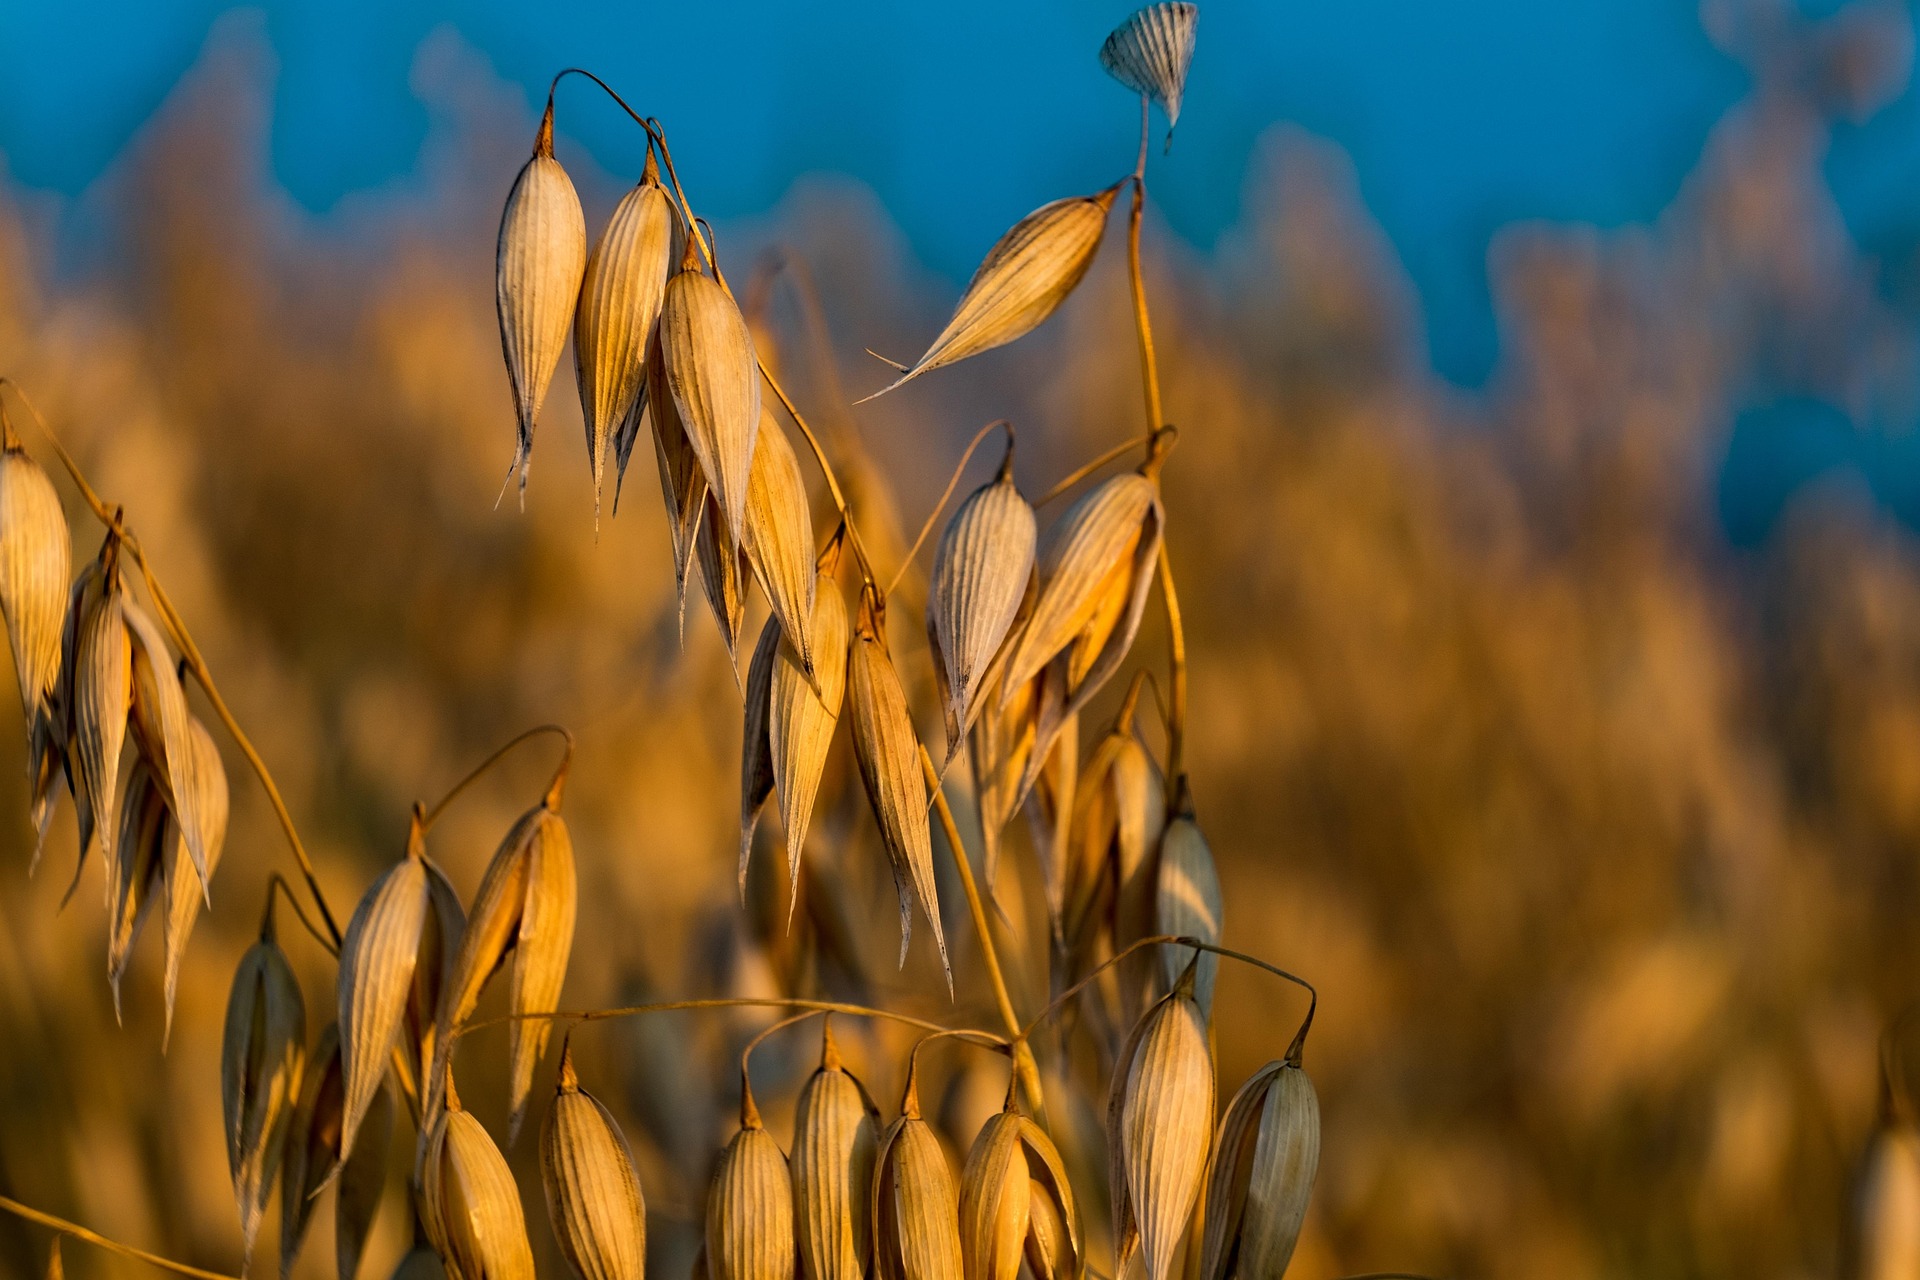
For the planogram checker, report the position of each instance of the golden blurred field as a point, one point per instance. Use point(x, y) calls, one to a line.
point(1597, 833)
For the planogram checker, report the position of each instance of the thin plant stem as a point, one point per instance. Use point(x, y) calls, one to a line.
point(1176, 675)
point(79, 1232)
point(1059, 1002)
point(959, 469)
point(1023, 1063)
point(726, 1002)
point(278, 883)
point(190, 653)
point(749, 1113)
point(480, 770)
point(1143, 325)
point(1081, 472)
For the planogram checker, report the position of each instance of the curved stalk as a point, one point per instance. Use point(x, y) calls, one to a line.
point(959, 469)
point(94, 1238)
point(427, 819)
point(728, 1002)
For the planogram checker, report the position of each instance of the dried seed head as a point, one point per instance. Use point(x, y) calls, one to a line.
point(377, 959)
point(1159, 1116)
point(750, 1207)
point(312, 1145)
point(779, 536)
point(260, 1072)
point(1187, 902)
point(981, 571)
point(1150, 52)
point(626, 275)
point(472, 1207)
point(440, 937)
point(724, 575)
point(36, 555)
point(136, 873)
point(103, 694)
point(888, 752)
point(538, 265)
point(1263, 1168)
point(801, 716)
point(682, 483)
point(163, 729)
point(363, 1179)
point(1094, 579)
point(525, 905)
point(715, 384)
point(185, 887)
point(1016, 1202)
point(593, 1195)
point(915, 1206)
point(1025, 277)
point(835, 1130)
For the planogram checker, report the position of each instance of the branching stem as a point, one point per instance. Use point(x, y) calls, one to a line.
point(725, 1002)
point(480, 770)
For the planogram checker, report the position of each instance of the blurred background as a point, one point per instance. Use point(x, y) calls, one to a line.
point(1544, 508)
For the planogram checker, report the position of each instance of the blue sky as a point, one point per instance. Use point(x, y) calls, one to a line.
point(1459, 117)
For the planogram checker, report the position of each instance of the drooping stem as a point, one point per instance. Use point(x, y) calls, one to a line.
point(1023, 1063)
point(726, 1002)
point(1142, 323)
point(190, 653)
point(1177, 676)
point(959, 469)
point(480, 770)
point(1060, 1001)
point(1081, 472)
point(79, 1232)
point(277, 883)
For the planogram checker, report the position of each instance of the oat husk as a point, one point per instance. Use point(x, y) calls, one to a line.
point(1159, 1129)
point(1150, 52)
point(593, 1195)
point(36, 555)
point(715, 384)
point(261, 1062)
point(835, 1133)
point(1262, 1177)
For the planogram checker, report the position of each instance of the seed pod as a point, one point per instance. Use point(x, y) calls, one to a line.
point(185, 888)
point(541, 256)
point(1159, 1113)
point(756, 754)
point(620, 295)
point(779, 536)
point(915, 1206)
point(312, 1145)
point(525, 905)
point(162, 728)
point(376, 976)
point(682, 483)
point(1264, 1162)
point(1150, 51)
point(834, 1130)
point(141, 845)
point(981, 571)
point(888, 752)
point(1187, 902)
point(1012, 1165)
point(593, 1195)
point(260, 1072)
point(750, 1205)
point(55, 1269)
point(801, 716)
point(103, 693)
point(471, 1205)
point(35, 558)
point(363, 1177)
point(1025, 277)
point(440, 937)
point(1094, 579)
point(723, 575)
point(715, 384)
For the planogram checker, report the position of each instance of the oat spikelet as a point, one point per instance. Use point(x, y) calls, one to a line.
point(756, 752)
point(185, 887)
point(981, 571)
point(749, 1232)
point(261, 1062)
point(801, 717)
point(724, 574)
point(835, 1132)
point(682, 483)
point(377, 959)
point(888, 752)
point(1013, 1165)
point(1187, 902)
point(626, 275)
point(312, 1146)
point(779, 536)
point(440, 937)
point(161, 724)
point(538, 265)
point(593, 1195)
point(715, 383)
point(1023, 280)
point(1150, 52)
point(103, 694)
point(358, 1190)
point(471, 1205)
point(36, 555)
point(915, 1205)
point(141, 844)
point(1159, 1121)
point(525, 906)
point(1262, 1176)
